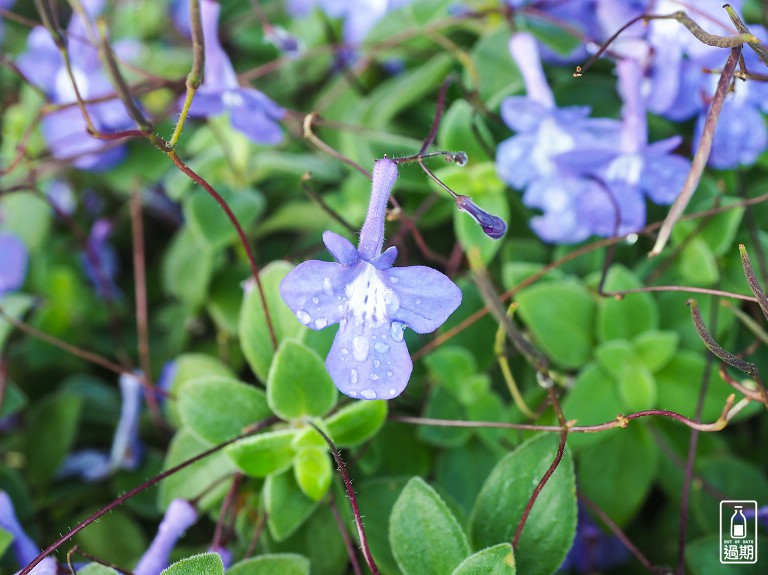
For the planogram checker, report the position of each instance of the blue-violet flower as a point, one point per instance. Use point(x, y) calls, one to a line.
point(24, 548)
point(371, 301)
point(250, 111)
point(14, 259)
point(179, 516)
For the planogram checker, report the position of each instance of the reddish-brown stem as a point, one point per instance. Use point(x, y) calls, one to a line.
point(344, 535)
point(540, 486)
point(224, 510)
point(352, 499)
point(189, 172)
point(136, 490)
point(258, 530)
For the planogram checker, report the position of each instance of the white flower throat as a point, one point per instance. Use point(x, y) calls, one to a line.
point(369, 300)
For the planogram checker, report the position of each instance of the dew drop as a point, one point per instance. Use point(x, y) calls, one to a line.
point(394, 279)
point(392, 392)
point(418, 302)
point(389, 374)
point(368, 394)
point(303, 316)
point(373, 377)
point(376, 363)
point(315, 300)
point(361, 347)
point(353, 376)
point(396, 330)
point(381, 347)
point(321, 322)
point(327, 287)
point(352, 393)
point(344, 351)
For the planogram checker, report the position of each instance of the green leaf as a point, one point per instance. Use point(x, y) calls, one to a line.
point(461, 472)
point(96, 569)
point(298, 384)
point(274, 564)
point(424, 534)
point(287, 506)
point(592, 400)
point(14, 400)
point(451, 366)
point(313, 471)
point(119, 536)
point(627, 317)
point(265, 453)
point(637, 388)
point(619, 472)
point(27, 216)
point(497, 74)
point(357, 422)
point(702, 556)
point(254, 333)
point(194, 481)
point(560, 315)
point(496, 560)
point(698, 265)
point(188, 367)
point(656, 348)
point(5, 540)
point(551, 525)
point(203, 564)
point(456, 132)
point(442, 405)
point(51, 430)
point(14, 305)
point(187, 268)
point(208, 221)
point(217, 408)
point(614, 356)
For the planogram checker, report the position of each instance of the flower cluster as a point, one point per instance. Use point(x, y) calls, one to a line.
point(65, 130)
point(371, 301)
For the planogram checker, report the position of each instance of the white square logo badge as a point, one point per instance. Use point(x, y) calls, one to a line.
point(738, 531)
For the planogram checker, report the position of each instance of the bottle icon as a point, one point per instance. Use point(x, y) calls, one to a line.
point(738, 524)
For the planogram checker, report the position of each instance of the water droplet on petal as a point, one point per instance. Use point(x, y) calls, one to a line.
point(368, 394)
point(392, 392)
point(353, 376)
point(327, 287)
point(315, 300)
point(381, 347)
point(418, 302)
point(344, 351)
point(373, 377)
point(361, 347)
point(396, 330)
point(321, 322)
point(394, 279)
point(376, 363)
point(352, 393)
point(303, 316)
point(389, 374)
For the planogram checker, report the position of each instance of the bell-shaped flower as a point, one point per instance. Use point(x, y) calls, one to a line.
point(179, 517)
point(250, 111)
point(65, 130)
point(371, 301)
point(100, 261)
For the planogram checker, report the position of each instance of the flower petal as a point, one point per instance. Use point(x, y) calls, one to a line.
point(207, 102)
point(426, 297)
point(254, 115)
point(385, 260)
point(369, 362)
point(663, 177)
point(314, 291)
point(341, 249)
point(14, 259)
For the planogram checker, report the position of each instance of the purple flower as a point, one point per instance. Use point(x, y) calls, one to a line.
point(371, 301)
point(592, 549)
point(23, 547)
point(95, 464)
point(100, 260)
point(14, 259)
point(179, 516)
point(65, 130)
point(250, 111)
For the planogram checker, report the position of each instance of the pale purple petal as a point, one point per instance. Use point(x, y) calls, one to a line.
point(180, 515)
point(90, 465)
point(315, 292)
point(126, 448)
point(341, 249)
point(14, 259)
point(524, 50)
point(369, 362)
point(48, 566)
point(522, 114)
point(493, 226)
point(207, 102)
point(385, 260)
point(616, 208)
point(24, 548)
point(41, 61)
point(180, 17)
point(740, 136)
point(372, 234)
point(425, 296)
point(513, 161)
point(219, 72)
point(558, 198)
point(663, 177)
point(255, 115)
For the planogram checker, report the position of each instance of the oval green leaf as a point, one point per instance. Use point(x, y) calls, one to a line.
point(357, 422)
point(264, 454)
